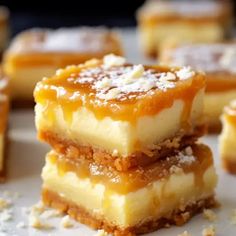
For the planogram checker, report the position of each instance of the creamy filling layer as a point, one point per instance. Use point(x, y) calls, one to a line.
point(158, 199)
point(122, 136)
point(213, 109)
point(153, 37)
point(23, 80)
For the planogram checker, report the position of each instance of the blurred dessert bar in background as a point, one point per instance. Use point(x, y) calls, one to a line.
point(36, 53)
point(124, 136)
point(4, 110)
point(4, 28)
point(167, 22)
point(218, 61)
point(227, 139)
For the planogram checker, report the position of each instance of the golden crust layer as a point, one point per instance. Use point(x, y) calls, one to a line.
point(142, 158)
point(178, 217)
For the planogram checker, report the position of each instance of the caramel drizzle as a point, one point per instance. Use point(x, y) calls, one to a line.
point(130, 181)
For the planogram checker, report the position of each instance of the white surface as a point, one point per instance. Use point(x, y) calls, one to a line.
point(26, 160)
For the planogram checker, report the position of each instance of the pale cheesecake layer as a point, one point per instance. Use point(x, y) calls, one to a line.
point(123, 137)
point(21, 76)
point(159, 199)
point(214, 103)
point(154, 37)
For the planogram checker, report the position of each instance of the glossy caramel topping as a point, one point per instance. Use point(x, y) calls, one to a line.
point(121, 91)
point(194, 160)
point(219, 82)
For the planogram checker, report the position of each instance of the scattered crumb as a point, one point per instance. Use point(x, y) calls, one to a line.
point(66, 222)
point(6, 215)
point(36, 222)
point(4, 204)
point(209, 231)
point(233, 217)
point(209, 215)
point(38, 207)
point(50, 213)
point(185, 233)
point(21, 225)
point(101, 232)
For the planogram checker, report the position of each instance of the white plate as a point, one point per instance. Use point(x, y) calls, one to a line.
point(27, 159)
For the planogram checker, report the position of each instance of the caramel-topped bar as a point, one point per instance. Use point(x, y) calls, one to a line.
point(165, 22)
point(110, 110)
point(218, 61)
point(142, 200)
point(40, 52)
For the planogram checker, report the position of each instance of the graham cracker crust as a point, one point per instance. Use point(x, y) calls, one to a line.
point(140, 158)
point(229, 166)
point(178, 217)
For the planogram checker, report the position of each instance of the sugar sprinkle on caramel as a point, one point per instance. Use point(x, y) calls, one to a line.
point(117, 89)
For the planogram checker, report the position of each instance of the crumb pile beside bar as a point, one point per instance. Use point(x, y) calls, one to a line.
point(125, 156)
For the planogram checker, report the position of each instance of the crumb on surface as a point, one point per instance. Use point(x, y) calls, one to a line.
point(233, 217)
point(21, 225)
point(101, 232)
point(66, 222)
point(209, 215)
point(185, 233)
point(209, 231)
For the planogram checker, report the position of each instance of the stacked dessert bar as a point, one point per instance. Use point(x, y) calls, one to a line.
point(125, 156)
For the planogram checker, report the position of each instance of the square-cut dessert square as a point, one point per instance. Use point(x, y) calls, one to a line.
point(118, 113)
point(169, 191)
point(4, 110)
point(227, 139)
point(36, 53)
point(164, 22)
point(219, 63)
point(4, 27)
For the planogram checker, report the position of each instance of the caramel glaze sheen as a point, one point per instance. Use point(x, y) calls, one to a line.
point(62, 90)
point(134, 179)
point(220, 82)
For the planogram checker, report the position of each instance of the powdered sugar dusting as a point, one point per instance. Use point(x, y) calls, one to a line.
point(114, 80)
point(206, 57)
point(193, 9)
point(186, 157)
